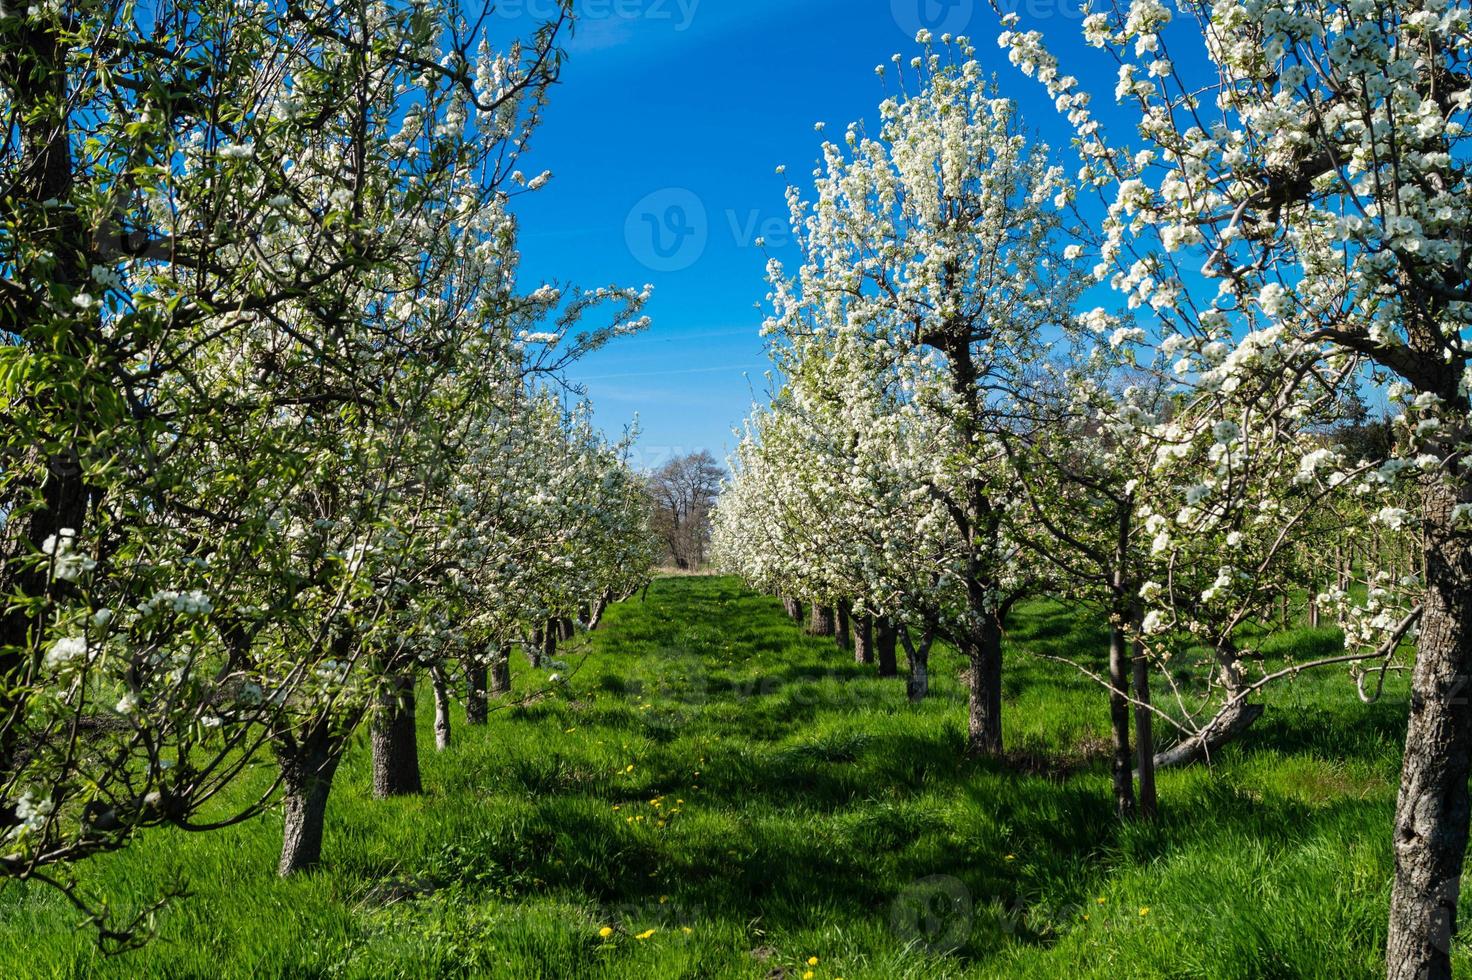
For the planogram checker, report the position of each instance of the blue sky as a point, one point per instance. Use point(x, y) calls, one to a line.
point(664, 138)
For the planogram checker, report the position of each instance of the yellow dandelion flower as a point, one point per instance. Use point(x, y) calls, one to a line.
point(663, 899)
point(687, 930)
point(606, 931)
point(808, 975)
point(629, 768)
point(812, 961)
point(1145, 910)
point(646, 933)
point(1010, 857)
point(1099, 900)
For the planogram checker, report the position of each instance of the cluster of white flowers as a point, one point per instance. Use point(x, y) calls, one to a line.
point(65, 652)
point(67, 564)
point(192, 603)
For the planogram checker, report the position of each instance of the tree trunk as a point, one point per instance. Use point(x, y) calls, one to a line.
point(441, 709)
point(550, 635)
point(477, 710)
point(1119, 719)
point(535, 648)
point(918, 656)
point(885, 639)
point(793, 608)
point(1431, 812)
point(1235, 717)
point(37, 87)
point(1226, 726)
point(864, 640)
point(599, 608)
point(395, 745)
point(1144, 729)
point(984, 715)
point(567, 629)
point(822, 621)
point(307, 768)
point(842, 622)
point(501, 672)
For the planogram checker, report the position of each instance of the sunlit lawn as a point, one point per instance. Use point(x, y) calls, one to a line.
point(733, 798)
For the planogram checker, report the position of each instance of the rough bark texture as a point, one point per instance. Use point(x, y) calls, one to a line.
point(1236, 716)
point(842, 625)
point(1119, 721)
point(534, 649)
point(1431, 812)
point(307, 768)
point(863, 639)
point(1144, 731)
point(822, 622)
point(918, 656)
point(550, 636)
point(501, 672)
point(395, 747)
point(984, 681)
point(441, 709)
point(885, 641)
point(567, 628)
point(793, 609)
point(477, 710)
point(1227, 725)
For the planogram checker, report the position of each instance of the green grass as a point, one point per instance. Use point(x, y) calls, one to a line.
point(808, 811)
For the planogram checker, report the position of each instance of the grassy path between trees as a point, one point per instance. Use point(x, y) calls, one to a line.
point(733, 798)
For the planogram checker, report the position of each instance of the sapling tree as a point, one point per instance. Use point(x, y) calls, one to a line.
point(1080, 464)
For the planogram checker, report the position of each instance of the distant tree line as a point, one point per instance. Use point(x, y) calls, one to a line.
point(682, 496)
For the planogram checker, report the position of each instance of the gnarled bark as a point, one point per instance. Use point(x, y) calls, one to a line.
point(863, 639)
point(984, 683)
point(918, 656)
point(1234, 718)
point(1230, 722)
point(821, 623)
point(307, 768)
point(477, 710)
point(1431, 811)
point(885, 641)
point(394, 741)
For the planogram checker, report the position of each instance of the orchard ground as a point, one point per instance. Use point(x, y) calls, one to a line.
point(733, 798)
